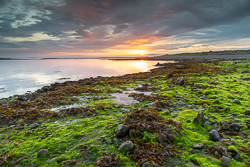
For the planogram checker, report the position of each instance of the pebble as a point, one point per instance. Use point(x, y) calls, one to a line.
point(235, 127)
point(51, 160)
point(236, 120)
point(34, 126)
point(109, 142)
point(11, 123)
point(236, 101)
point(214, 135)
point(42, 153)
point(247, 121)
point(198, 146)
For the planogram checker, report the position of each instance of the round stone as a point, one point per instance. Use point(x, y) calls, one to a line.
point(126, 146)
point(146, 164)
point(214, 135)
point(235, 127)
point(42, 153)
point(121, 130)
point(226, 161)
point(247, 112)
point(34, 126)
point(236, 101)
point(198, 146)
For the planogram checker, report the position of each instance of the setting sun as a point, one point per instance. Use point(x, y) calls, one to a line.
point(141, 52)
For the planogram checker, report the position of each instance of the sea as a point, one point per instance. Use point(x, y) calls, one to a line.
point(18, 77)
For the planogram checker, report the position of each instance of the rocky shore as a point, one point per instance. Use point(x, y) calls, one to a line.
point(188, 113)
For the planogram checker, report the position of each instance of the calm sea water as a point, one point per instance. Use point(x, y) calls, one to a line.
point(20, 76)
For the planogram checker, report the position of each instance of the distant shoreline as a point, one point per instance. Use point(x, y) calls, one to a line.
point(226, 54)
point(157, 58)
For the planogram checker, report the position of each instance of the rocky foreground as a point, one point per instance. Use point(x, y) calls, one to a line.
point(189, 113)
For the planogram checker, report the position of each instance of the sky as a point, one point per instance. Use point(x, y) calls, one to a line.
point(104, 28)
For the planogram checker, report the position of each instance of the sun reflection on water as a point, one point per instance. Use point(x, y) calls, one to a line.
point(141, 65)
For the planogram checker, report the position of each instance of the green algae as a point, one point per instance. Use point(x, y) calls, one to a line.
point(69, 135)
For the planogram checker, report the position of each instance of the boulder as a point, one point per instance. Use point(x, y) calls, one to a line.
point(214, 135)
point(121, 130)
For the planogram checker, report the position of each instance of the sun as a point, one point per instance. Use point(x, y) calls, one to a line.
point(141, 52)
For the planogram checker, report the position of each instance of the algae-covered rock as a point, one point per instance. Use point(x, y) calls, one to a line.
point(247, 112)
point(200, 119)
point(236, 101)
point(126, 146)
point(214, 135)
point(235, 127)
point(146, 164)
point(42, 153)
point(34, 126)
point(225, 161)
point(121, 130)
point(198, 146)
point(180, 81)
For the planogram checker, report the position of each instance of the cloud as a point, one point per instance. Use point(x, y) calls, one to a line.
point(83, 24)
point(145, 40)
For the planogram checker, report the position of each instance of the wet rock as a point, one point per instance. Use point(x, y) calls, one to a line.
point(236, 101)
point(171, 137)
point(126, 146)
point(247, 121)
point(235, 127)
point(121, 130)
point(214, 135)
point(10, 123)
point(198, 146)
point(34, 126)
point(19, 127)
point(200, 119)
point(43, 137)
point(180, 81)
point(51, 160)
point(116, 140)
point(69, 163)
point(42, 153)
point(247, 112)
point(109, 142)
point(225, 161)
point(146, 164)
point(4, 120)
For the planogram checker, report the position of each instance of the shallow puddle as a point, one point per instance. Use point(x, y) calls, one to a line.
point(75, 105)
point(122, 98)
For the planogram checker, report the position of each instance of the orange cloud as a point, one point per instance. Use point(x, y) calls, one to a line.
point(145, 40)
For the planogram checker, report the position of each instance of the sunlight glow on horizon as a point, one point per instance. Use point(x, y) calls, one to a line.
point(141, 52)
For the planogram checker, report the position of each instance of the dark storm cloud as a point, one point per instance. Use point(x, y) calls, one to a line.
point(107, 23)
